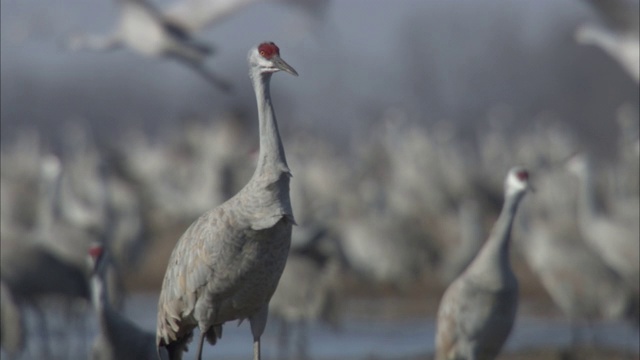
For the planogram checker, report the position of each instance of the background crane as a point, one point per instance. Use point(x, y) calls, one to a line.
point(478, 309)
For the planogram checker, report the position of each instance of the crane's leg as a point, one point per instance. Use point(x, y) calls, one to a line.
point(258, 322)
point(256, 348)
point(200, 342)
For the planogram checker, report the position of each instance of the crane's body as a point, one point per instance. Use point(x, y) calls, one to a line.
point(614, 239)
point(478, 309)
point(228, 263)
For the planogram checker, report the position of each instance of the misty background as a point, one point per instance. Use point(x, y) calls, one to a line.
point(399, 131)
point(463, 62)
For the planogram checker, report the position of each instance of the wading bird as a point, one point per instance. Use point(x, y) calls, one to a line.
point(478, 309)
point(227, 264)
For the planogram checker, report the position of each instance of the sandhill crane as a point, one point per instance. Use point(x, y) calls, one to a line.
point(615, 239)
point(227, 264)
point(478, 309)
point(576, 278)
point(119, 338)
point(12, 331)
point(618, 35)
point(580, 283)
point(143, 28)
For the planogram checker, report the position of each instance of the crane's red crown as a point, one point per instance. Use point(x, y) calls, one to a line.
point(95, 251)
point(522, 175)
point(268, 49)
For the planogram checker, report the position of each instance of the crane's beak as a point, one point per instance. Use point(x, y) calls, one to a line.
point(282, 65)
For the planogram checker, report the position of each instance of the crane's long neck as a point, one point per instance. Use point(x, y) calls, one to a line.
point(108, 317)
point(271, 158)
point(492, 262)
point(98, 293)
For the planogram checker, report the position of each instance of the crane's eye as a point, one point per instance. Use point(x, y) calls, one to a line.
point(262, 53)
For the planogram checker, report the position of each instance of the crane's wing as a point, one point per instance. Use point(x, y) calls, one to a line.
point(462, 318)
point(195, 15)
point(191, 272)
point(447, 322)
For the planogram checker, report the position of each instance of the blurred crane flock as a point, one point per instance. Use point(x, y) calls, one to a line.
point(390, 210)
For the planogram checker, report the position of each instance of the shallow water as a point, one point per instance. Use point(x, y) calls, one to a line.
point(356, 339)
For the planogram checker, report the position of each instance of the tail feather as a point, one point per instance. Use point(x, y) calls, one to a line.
point(213, 334)
point(176, 348)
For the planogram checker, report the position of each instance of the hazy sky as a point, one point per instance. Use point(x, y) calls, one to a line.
point(436, 60)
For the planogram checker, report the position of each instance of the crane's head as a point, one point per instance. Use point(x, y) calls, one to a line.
point(266, 58)
point(517, 181)
point(96, 253)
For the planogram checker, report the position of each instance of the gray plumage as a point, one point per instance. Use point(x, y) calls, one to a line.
point(576, 278)
point(119, 338)
point(579, 282)
point(227, 264)
point(615, 239)
point(478, 309)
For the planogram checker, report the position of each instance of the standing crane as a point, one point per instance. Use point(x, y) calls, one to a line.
point(143, 28)
point(227, 264)
point(119, 338)
point(576, 278)
point(580, 283)
point(478, 309)
point(614, 238)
